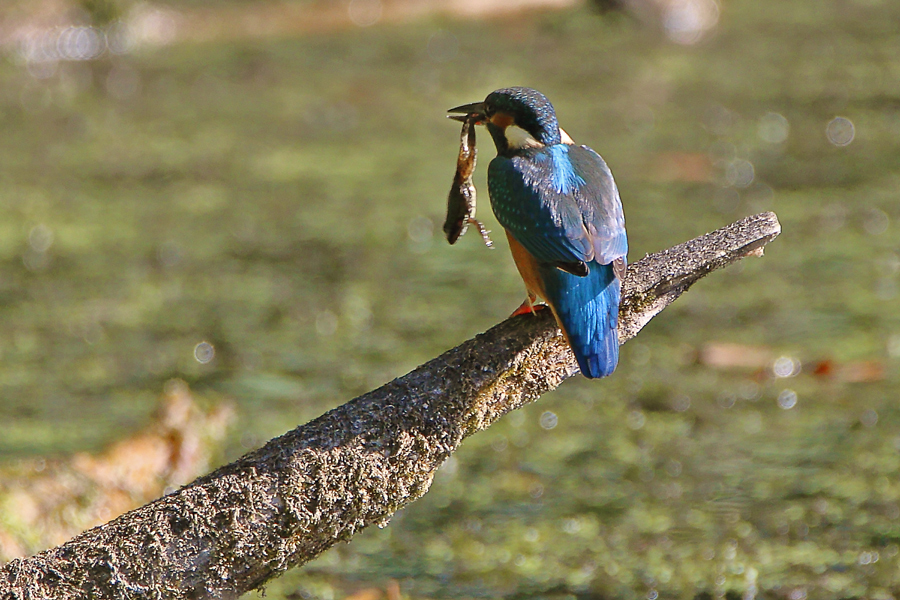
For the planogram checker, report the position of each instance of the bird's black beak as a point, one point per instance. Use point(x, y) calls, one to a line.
point(476, 108)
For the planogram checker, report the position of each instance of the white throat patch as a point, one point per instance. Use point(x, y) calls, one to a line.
point(518, 138)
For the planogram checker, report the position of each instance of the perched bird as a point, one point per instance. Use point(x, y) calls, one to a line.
point(563, 217)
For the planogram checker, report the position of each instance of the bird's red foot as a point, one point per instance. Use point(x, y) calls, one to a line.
point(528, 307)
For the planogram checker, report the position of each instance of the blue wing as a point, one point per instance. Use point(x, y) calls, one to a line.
point(561, 203)
point(600, 205)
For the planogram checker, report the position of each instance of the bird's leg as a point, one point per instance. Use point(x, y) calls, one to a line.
point(528, 306)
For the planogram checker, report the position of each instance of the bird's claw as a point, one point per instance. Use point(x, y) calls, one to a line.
point(528, 307)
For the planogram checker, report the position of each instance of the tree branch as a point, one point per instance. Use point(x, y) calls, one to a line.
point(282, 505)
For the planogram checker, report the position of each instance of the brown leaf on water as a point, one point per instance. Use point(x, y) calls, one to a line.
point(682, 166)
point(860, 371)
point(728, 355)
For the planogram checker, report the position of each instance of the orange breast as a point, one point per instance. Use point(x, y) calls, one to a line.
point(527, 266)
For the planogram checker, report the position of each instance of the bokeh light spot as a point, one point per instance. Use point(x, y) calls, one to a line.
point(876, 221)
point(640, 354)
point(40, 238)
point(635, 419)
point(119, 39)
point(152, 25)
point(869, 418)
point(787, 399)
point(740, 173)
point(420, 229)
point(548, 420)
point(681, 403)
point(840, 131)
point(748, 390)
point(80, 43)
point(773, 128)
point(726, 400)
point(798, 594)
point(785, 366)
point(686, 21)
point(204, 352)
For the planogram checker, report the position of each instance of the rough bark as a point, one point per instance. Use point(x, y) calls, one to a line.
point(280, 506)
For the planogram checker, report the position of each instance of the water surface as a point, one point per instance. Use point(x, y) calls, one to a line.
point(281, 201)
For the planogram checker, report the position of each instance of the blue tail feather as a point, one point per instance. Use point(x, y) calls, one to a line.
point(588, 311)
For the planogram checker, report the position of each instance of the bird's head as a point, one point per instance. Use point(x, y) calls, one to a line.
point(517, 117)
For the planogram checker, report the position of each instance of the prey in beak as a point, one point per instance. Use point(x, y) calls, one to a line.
point(461, 200)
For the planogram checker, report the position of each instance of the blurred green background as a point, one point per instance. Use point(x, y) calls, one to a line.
point(248, 196)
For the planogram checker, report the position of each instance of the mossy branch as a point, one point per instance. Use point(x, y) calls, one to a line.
point(282, 505)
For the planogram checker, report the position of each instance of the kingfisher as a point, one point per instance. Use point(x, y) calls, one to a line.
point(563, 217)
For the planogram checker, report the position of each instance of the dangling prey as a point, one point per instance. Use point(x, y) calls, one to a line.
point(461, 200)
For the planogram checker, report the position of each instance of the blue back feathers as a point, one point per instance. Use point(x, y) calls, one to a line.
point(560, 202)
